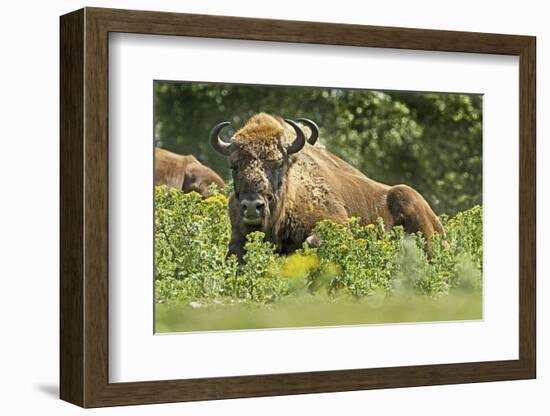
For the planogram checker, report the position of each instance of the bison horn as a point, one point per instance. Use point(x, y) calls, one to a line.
point(217, 143)
point(313, 127)
point(300, 141)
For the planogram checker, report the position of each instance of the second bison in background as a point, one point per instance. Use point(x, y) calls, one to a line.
point(283, 186)
point(184, 172)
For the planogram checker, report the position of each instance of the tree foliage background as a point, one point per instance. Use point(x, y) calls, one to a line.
point(430, 141)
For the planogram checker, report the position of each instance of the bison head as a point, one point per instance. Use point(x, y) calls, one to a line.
point(260, 155)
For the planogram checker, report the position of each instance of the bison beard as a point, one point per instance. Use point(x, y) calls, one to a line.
point(284, 185)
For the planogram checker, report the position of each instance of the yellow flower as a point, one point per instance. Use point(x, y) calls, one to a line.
point(297, 266)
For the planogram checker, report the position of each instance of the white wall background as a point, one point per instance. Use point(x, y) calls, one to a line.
point(29, 207)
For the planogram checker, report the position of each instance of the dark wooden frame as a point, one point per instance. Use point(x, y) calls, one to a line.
point(84, 207)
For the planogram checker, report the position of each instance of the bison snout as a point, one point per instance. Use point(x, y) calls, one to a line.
point(252, 210)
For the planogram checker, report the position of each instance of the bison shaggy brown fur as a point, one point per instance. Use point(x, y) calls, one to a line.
point(184, 172)
point(283, 186)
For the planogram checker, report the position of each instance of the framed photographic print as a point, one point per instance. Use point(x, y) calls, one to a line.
point(256, 207)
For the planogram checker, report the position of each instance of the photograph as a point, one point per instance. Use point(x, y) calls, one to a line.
point(294, 206)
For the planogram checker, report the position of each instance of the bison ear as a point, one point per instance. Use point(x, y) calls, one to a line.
point(300, 140)
point(217, 143)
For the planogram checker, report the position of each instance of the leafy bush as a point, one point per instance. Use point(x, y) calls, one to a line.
point(191, 239)
point(355, 260)
point(192, 235)
point(257, 279)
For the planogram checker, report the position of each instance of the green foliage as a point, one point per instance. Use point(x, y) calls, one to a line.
point(355, 260)
point(430, 141)
point(258, 279)
point(361, 262)
point(191, 236)
point(455, 262)
point(191, 239)
point(465, 233)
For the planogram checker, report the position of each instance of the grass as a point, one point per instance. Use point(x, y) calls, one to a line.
point(315, 311)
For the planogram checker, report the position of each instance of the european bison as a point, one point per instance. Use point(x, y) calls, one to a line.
point(283, 186)
point(184, 172)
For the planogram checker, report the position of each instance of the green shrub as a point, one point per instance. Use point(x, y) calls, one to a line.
point(465, 233)
point(429, 275)
point(353, 259)
point(454, 263)
point(192, 236)
point(191, 239)
point(258, 278)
